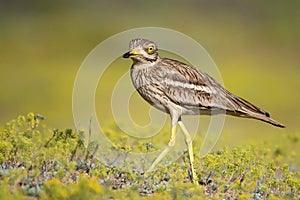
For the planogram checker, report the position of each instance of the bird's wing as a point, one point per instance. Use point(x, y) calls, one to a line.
point(191, 88)
point(188, 86)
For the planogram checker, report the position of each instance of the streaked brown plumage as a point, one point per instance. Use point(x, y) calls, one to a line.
point(180, 89)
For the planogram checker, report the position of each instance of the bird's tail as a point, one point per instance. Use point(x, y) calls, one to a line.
point(248, 110)
point(265, 118)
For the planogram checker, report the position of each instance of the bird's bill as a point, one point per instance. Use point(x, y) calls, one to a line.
point(131, 54)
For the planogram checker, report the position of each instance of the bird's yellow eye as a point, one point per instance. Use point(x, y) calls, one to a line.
point(150, 49)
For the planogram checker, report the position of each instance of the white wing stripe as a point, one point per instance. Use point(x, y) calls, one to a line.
point(189, 86)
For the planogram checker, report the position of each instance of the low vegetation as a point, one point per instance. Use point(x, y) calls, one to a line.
point(39, 163)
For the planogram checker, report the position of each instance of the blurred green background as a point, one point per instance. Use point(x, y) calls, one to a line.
point(255, 44)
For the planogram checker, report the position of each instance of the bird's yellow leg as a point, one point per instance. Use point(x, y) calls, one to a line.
point(165, 151)
point(189, 143)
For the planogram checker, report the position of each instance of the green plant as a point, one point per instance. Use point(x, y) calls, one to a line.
point(53, 164)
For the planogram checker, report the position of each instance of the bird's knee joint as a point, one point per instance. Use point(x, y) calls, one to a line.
point(171, 143)
point(188, 141)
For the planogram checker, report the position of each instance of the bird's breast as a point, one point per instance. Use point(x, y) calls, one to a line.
point(148, 84)
point(143, 75)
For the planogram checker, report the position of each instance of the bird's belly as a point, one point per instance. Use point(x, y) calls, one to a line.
point(156, 101)
point(201, 111)
point(161, 108)
point(185, 111)
point(196, 111)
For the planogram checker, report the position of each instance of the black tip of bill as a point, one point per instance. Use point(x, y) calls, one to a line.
point(126, 55)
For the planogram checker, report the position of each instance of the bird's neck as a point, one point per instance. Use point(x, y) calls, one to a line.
point(137, 65)
point(140, 73)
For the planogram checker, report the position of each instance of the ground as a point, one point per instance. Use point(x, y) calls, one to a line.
point(39, 163)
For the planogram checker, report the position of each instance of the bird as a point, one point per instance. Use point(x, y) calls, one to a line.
point(180, 89)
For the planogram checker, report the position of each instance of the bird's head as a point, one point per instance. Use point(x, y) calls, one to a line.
point(142, 50)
